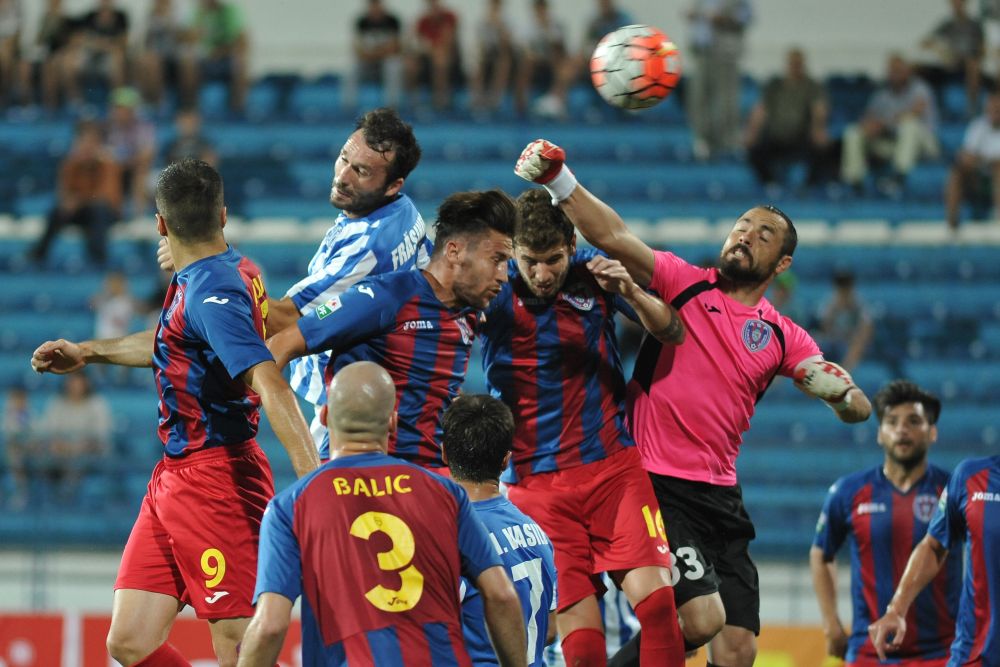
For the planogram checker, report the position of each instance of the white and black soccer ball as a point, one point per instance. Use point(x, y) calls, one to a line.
point(635, 67)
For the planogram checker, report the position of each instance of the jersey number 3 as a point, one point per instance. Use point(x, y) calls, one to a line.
point(397, 559)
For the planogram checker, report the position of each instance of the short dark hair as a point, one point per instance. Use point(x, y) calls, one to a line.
point(791, 238)
point(189, 197)
point(541, 225)
point(384, 132)
point(474, 214)
point(478, 434)
point(898, 392)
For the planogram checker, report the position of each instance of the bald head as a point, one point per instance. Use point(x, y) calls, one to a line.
point(360, 407)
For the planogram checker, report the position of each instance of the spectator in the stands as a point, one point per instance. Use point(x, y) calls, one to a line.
point(158, 62)
point(845, 326)
point(492, 72)
point(46, 64)
point(113, 307)
point(132, 140)
point(989, 16)
point(713, 87)
point(957, 46)
point(189, 141)
point(11, 81)
point(897, 127)
point(17, 426)
point(788, 124)
point(975, 174)
point(89, 194)
point(218, 52)
point(437, 59)
point(542, 56)
point(97, 49)
point(378, 55)
point(75, 428)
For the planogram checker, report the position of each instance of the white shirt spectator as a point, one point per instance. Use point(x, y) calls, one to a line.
point(982, 139)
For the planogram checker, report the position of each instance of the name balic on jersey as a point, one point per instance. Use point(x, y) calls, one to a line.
point(518, 537)
point(371, 487)
point(402, 253)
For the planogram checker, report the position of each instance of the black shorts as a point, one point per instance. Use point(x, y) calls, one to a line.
point(709, 532)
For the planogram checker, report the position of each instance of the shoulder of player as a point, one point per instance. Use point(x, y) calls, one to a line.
point(214, 283)
point(973, 466)
point(848, 485)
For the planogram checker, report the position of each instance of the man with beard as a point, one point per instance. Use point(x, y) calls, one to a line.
point(884, 512)
point(688, 405)
point(379, 230)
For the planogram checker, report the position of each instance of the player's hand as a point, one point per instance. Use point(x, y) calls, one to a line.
point(540, 161)
point(879, 631)
point(163, 256)
point(824, 380)
point(611, 275)
point(57, 356)
point(836, 642)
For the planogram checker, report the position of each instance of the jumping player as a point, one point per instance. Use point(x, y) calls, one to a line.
point(379, 230)
point(689, 405)
point(550, 353)
point(884, 512)
point(968, 511)
point(195, 540)
point(375, 546)
point(418, 325)
point(477, 441)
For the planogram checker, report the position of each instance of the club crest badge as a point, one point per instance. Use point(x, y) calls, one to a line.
point(756, 335)
point(579, 297)
point(178, 297)
point(923, 507)
point(465, 330)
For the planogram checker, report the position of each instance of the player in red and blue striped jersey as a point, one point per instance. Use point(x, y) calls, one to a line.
point(375, 546)
point(884, 512)
point(551, 355)
point(478, 441)
point(418, 325)
point(968, 512)
point(195, 539)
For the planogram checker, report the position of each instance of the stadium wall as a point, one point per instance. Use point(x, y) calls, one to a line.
point(313, 36)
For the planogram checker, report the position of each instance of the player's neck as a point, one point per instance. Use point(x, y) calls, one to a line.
point(748, 295)
point(188, 253)
point(903, 477)
point(480, 490)
point(439, 277)
point(354, 448)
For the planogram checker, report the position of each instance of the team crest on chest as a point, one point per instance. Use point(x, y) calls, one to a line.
point(756, 335)
point(923, 507)
point(465, 330)
point(579, 296)
point(178, 296)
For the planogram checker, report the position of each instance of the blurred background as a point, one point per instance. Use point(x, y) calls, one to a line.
point(870, 124)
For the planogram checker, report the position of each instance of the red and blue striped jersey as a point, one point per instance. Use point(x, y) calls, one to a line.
point(396, 321)
point(211, 330)
point(376, 547)
point(555, 363)
point(969, 512)
point(884, 525)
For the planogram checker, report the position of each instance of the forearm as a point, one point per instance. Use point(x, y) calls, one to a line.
point(281, 314)
point(923, 566)
point(854, 408)
point(259, 648)
point(506, 629)
point(132, 350)
point(660, 320)
point(282, 410)
point(825, 584)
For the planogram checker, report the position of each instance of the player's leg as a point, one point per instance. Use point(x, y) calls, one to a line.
point(227, 633)
point(652, 597)
point(140, 623)
point(582, 630)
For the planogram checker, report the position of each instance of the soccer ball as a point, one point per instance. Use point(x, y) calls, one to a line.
point(635, 67)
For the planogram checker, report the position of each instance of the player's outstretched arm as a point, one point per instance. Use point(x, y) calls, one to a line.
point(832, 384)
point(287, 345)
point(504, 621)
point(543, 162)
point(281, 314)
point(63, 356)
point(923, 566)
point(824, 578)
point(286, 418)
point(266, 633)
point(661, 320)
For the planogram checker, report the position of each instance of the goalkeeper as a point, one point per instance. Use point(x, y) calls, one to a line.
point(689, 405)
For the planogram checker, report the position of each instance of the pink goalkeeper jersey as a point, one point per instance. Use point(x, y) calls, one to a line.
point(690, 404)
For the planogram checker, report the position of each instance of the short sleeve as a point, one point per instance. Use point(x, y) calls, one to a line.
point(363, 311)
point(224, 319)
point(833, 524)
point(948, 523)
point(279, 560)
point(671, 275)
point(474, 544)
point(799, 345)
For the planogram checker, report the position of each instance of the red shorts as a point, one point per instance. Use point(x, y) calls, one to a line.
point(198, 529)
point(601, 517)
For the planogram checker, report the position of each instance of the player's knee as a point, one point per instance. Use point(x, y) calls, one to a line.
point(701, 619)
point(126, 648)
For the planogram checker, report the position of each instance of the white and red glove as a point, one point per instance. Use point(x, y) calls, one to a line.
point(827, 381)
point(544, 163)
